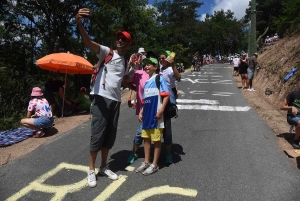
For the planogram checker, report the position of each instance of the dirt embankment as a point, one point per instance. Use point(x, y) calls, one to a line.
point(275, 61)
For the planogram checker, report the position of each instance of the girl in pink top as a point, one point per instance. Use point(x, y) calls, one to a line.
point(39, 115)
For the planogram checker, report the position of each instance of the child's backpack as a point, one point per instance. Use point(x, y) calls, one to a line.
point(98, 67)
point(171, 108)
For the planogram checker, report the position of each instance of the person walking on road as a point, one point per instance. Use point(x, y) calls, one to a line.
point(107, 97)
point(151, 116)
point(251, 70)
point(235, 62)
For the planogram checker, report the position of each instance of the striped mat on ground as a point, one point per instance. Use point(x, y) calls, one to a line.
point(14, 136)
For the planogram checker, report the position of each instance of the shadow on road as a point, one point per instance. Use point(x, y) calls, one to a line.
point(118, 160)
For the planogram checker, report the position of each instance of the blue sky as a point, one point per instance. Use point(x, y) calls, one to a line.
point(209, 6)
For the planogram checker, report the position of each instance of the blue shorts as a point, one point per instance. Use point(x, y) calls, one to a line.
point(43, 122)
point(250, 73)
point(138, 140)
point(293, 120)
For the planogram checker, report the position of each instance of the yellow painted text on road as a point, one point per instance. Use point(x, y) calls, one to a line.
point(58, 191)
point(163, 190)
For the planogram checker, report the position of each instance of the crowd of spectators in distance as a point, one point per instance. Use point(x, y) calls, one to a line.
point(271, 40)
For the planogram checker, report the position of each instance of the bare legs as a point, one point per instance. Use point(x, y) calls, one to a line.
point(29, 123)
point(93, 156)
point(157, 149)
point(244, 78)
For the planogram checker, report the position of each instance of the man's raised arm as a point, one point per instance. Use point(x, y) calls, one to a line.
point(83, 13)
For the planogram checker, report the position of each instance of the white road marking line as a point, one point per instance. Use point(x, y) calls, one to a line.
point(220, 95)
point(223, 92)
point(198, 92)
point(214, 107)
point(201, 101)
point(188, 79)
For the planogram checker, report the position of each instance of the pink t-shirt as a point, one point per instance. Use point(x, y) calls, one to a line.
point(139, 79)
point(40, 107)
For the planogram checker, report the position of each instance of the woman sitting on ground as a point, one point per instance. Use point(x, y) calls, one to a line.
point(291, 104)
point(39, 114)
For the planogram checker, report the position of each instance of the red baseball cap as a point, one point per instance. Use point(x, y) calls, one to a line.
point(125, 34)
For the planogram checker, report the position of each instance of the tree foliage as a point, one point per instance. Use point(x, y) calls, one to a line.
point(32, 29)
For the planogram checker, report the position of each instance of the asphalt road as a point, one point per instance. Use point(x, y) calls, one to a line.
point(222, 150)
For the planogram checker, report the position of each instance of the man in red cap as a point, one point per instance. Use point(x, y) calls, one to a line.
point(106, 84)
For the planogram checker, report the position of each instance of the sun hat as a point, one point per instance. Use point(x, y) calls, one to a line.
point(125, 34)
point(36, 91)
point(150, 61)
point(141, 50)
point(83, 89)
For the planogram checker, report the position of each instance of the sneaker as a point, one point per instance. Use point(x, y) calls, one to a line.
point(134, 106)
point(142, 167)
point(169, 158)
point(252, 89)
point(39, 134)
point(132, 157)
point(92, 178)
point(107, 172)
point(249, 89)
point(150, 170)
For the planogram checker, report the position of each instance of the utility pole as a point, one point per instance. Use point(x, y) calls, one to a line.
point(252, 44)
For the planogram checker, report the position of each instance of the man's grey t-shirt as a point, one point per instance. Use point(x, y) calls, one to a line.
point(112, 78)
point(252, 62)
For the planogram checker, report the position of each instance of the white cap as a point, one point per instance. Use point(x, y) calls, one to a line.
point(141, 49)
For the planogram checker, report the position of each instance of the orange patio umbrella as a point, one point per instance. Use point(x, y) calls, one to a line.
point(65, 63)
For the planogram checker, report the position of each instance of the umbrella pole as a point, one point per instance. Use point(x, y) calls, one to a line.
point(62, 112)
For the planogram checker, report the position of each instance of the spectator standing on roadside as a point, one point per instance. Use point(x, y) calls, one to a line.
point(107, 97)
point(292, 104)
point(251, 70)
point(170, 73)
point(243, 65)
